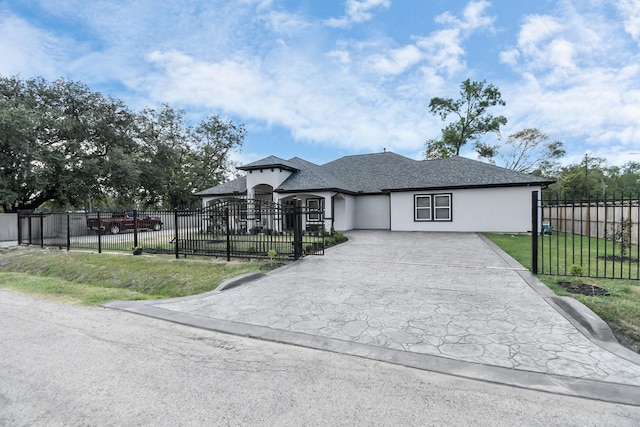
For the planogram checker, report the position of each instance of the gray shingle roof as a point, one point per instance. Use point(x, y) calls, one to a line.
point(269, 162)
point(382, 172)
point(312, 177)
point(236, 186)
point(371, 173)
point(456, 172)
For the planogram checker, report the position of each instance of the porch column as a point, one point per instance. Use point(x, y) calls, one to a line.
point(328, 208)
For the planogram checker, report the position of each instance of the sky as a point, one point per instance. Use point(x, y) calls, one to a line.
point(320, 79)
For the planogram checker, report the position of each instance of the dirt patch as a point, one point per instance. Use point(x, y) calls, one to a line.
point(584, 289)
point(617, 258)
point(269, 267)
point(626, 338)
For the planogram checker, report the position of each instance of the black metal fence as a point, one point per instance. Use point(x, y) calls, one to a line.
point(238, 228)
point(593, 237)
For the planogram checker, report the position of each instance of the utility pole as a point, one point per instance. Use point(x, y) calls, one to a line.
point(586, 173)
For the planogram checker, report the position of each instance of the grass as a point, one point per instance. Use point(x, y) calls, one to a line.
point(254, 245)
point(561, 250)
point(621, 310)
point(93, 279)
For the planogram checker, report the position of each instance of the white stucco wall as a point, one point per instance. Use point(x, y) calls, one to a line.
point(487, 209)
point(344, 213)
point(371, 212)
point(266, 176)
point(206, 200)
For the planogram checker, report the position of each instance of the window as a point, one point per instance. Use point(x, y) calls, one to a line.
point(442, 207)
point(423, 208)
point(315, 209)
point(432, 207)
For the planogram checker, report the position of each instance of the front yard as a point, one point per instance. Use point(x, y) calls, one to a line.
point(93, 279)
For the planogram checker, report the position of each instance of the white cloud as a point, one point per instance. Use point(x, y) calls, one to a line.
point(630, 11)
point(28, 50)
point(286, 23)
point(472, 17)
point(579, 83)
point(357, 11)
point(344, 111)
point(397, 60)
point(443, 49)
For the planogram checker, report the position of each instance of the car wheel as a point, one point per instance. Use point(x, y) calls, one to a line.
point(114, 228)
point(157, 226)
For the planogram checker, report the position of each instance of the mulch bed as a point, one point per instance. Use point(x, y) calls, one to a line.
point(584, 289)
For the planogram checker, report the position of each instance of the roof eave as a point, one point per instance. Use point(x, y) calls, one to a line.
point(464, 187)
point(310, 190)
point(274, 166)
point(233, 193)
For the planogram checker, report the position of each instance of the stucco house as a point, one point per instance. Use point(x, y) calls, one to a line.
point(391, 192)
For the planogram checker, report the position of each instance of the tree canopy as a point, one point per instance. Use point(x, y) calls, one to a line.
point(68, 146)
point(473, 120)
point(530, 151)
point(593, 178)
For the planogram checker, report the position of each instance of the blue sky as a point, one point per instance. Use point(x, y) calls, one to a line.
point(320, 79)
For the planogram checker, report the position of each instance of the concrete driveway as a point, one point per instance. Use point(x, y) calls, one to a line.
point(448, 302)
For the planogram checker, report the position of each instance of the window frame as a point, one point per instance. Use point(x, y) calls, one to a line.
point(432, 208)
point(315, 216)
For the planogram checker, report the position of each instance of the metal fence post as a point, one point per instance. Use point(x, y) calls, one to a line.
point(99, 234)
point(41, 231)
point(228, 229)
point(19, 229)
point(297, 230)
point(135, 228)
point(534, 232)
point(68, 231)
point(176, 235)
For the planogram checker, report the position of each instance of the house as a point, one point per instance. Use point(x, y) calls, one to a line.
point(391, 192)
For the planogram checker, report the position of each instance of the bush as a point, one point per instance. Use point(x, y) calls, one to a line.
point(339, 237)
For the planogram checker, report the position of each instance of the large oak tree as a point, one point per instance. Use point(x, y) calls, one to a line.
point(59, 142)
point(64, 145)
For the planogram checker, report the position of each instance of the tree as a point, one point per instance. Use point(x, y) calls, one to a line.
point(179, 159)
point(473, 120)
point(164, 146)
point(64, 145)
point(530, 151)
point(58, 142)
point(215, 139)
point(584, 180)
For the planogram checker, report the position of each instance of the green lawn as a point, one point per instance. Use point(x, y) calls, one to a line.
point(241, 244)
point(621, 310)
point(557, 253)
point(93, 279)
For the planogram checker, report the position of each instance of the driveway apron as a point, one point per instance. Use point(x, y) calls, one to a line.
point(447, 295)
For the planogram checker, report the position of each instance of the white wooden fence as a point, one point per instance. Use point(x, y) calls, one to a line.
point(8, 227)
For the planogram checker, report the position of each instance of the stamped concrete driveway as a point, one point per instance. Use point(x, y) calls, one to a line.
point(450, 302)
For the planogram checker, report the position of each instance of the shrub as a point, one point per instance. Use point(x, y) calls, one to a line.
point(272, 255)
point(576, 271)
point(620, 232)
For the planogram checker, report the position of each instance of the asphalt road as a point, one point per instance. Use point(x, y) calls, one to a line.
point(68, 365)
